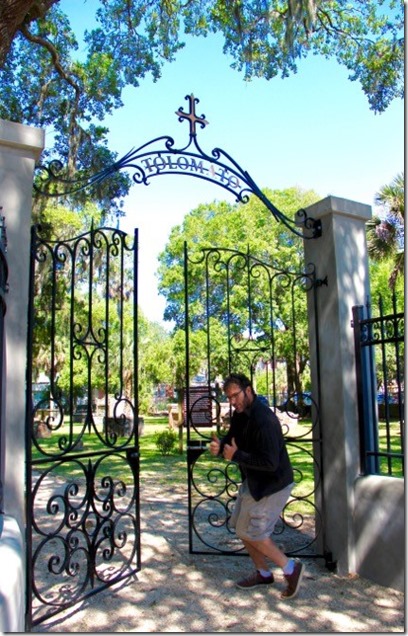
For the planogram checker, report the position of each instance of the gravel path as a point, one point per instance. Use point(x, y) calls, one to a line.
point(179, 592)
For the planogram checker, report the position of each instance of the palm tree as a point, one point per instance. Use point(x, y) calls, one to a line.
point(385, 236)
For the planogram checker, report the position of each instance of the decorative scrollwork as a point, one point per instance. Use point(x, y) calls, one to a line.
point(152, 159)
point(84, 530)
point(209, 520)
point(84, 520)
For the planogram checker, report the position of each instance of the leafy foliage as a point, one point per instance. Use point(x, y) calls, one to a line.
point(220, 308)
point(238, 226)
point(50, 82)
point(385, 235)
point(166, 442)
point(133, 38)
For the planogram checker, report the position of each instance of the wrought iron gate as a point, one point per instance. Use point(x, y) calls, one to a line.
point(82, 435)
point(267, 341)
point(379, 347)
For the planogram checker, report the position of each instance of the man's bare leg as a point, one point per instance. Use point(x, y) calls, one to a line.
point(264, 549)
point(260, 551)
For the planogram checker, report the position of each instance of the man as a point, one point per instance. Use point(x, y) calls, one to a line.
point(255, 442)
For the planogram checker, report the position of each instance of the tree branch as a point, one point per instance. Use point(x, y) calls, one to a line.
point(14, 13)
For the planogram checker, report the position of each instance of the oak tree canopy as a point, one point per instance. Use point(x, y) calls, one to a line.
point(46, 82)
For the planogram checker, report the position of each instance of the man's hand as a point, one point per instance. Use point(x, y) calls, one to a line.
point(214, 445)
point(229, 450)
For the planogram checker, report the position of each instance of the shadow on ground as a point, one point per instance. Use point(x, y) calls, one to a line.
point(179, 592)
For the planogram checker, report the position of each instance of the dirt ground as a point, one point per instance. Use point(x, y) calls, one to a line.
point(179, 592)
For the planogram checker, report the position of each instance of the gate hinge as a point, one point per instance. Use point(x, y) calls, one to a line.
point(321, 281)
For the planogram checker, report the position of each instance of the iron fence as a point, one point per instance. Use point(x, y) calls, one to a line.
point(379, 346)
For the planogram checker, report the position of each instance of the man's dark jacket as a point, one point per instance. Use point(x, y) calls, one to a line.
point(262, 456)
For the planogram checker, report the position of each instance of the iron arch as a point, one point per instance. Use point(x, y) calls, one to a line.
point(160, 156)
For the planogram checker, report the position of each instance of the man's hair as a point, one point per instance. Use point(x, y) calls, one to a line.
point(238, 378)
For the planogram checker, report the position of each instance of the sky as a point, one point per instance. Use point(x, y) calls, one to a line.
point(313, 130)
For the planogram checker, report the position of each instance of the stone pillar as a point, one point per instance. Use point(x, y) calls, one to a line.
point(20, 147)
point(340, 254)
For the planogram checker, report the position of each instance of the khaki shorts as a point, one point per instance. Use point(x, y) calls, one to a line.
point(256, 520)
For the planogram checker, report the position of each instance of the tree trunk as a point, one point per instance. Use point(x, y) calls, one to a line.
point(13, 13)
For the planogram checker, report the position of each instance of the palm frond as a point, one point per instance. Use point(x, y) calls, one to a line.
point(391, 197)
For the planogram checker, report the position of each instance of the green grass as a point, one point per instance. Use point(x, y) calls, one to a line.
point(174, 466)
point(163, 468)
point(153, 463)
point(394, 447)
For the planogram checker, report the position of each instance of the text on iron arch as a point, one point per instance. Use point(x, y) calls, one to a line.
point(159, 164)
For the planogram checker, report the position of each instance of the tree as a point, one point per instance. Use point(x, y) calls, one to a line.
point(385, 235)
point(379, 284)
point(46, 83)
point(234, 226)
point(224, 315)
point(50, 290)
point(264, 40)
point(83, 330)
point(13, 13)
point(155, 360)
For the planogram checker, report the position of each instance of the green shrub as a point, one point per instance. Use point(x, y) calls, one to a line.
point(166, 441)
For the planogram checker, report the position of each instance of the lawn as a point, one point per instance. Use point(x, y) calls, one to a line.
point(153, 464)
point(390, 442)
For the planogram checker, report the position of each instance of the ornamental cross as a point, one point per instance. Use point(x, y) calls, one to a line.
point(191, 116)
